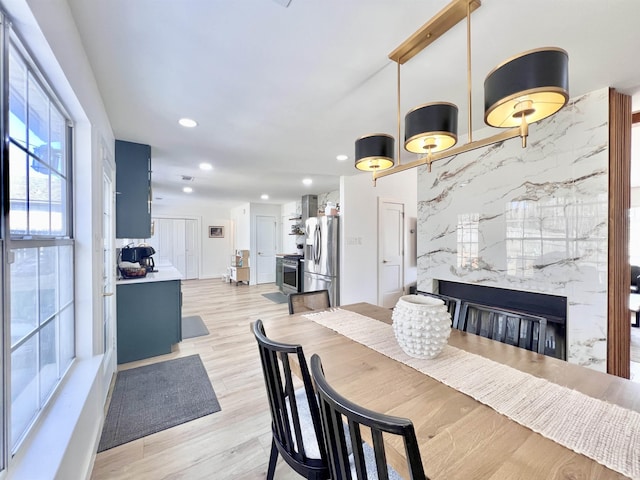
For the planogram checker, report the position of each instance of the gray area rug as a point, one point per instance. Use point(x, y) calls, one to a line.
point(193, 327)
point(276, 297)
point(155, 397)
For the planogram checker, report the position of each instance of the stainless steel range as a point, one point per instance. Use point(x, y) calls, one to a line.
point(292, 274)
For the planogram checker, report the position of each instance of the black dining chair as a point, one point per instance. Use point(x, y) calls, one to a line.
point(506, 326)
point(364, 462)
point(453, 305)
point(308, 301)
point(296, 427)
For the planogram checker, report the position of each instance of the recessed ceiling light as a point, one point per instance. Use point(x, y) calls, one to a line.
point(206, 166)
point(187, 189)
point(307, 181)
point(264, 196)
point(187, 122)
point(342, 157)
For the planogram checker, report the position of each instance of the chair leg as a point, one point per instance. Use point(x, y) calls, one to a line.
point(273, 459)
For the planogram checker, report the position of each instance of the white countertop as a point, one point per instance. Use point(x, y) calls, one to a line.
point(164, 274)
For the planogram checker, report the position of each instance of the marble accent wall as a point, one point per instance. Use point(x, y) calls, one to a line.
point(532, 219)
point(332, 196)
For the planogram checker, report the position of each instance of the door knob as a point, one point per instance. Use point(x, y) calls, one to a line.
point(384, 261)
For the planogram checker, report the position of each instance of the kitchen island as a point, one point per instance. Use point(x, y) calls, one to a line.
point(149, 314)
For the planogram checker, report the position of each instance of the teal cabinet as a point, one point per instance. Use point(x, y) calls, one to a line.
point(149, 319)
point(133, 190)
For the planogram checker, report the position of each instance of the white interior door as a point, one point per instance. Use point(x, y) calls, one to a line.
point(108, 278)
point(266, 248)
point(176, 243)
point(179, 245)
point(162, 241)
point(191, 249)
point(390, 252)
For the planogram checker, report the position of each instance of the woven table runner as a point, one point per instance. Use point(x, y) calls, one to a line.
point(607, 433)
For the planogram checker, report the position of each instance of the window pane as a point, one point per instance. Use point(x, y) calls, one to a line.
point(65, 271)
point(39, 197)
point(17, 98)
point(18, 191)
point(48, 282)
point(24, 293)
point(58, 205)
point(24, 387)
point(38, 120)
point(42, 321)
point(57, 151)
point(48, 360)
point(67, 338)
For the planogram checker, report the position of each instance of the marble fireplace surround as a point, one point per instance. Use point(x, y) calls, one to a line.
point(532, 219)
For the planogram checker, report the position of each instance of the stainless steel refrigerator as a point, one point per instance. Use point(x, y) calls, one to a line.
point(321, 256)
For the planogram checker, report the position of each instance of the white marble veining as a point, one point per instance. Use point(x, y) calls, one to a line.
point(332, 196)
point(532, 219)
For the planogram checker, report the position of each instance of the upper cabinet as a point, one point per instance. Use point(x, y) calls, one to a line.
point(133, 187)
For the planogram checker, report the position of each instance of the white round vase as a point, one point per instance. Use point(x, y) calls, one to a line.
point(422, 325)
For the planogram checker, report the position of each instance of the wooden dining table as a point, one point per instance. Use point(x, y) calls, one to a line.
point(459, 437)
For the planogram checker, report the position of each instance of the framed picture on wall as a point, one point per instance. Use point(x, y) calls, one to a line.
point(216, 232)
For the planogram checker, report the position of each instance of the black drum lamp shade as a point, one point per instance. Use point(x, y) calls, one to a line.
point(431, 128)
point(533, 85)
point(374, 152)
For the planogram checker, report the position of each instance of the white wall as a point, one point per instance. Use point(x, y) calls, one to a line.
point(241, 222)
point(215, 253)
point(69, 428)
point(635, 196)
point(288, 242)
point(359, 237)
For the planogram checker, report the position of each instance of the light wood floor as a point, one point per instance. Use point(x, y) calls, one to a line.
point(235, 442)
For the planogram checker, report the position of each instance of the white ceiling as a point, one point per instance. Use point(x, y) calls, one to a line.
point(279, 92)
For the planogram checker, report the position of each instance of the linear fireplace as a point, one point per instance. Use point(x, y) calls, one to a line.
point(551, 307)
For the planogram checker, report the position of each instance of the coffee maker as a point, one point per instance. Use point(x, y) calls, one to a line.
point(140, 254)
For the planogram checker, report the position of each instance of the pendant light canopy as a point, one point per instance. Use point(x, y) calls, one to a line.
point(431, 128)
point(527, 88)
point(374, 152)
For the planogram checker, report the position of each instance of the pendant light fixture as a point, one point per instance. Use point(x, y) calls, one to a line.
point(431, 128)
point(526, 89)
point(520, 91)
point(374, 152)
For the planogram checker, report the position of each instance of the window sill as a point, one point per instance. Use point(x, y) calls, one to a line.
point(64, 439)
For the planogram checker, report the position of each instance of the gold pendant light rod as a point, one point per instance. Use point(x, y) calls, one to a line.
point(440, 24)
point(500, 137)
point(399, 143)
point(469, 121)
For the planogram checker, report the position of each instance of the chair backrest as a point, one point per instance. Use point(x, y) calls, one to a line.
point(506, 326)
point(301, 445)
point(453, 305)
point(365, 462)
point(635, 276)
point(307, 301)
